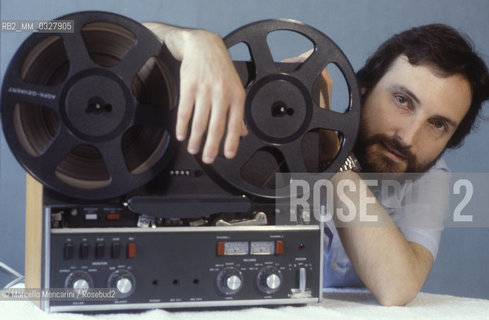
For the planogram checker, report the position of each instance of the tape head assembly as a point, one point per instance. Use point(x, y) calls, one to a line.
point(91, 114)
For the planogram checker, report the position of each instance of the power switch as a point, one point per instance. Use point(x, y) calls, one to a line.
point(302, 279)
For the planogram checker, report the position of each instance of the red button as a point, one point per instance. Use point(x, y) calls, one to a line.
point(131, 250)
point(220, 248)
point(279, 247)
point(113, 216)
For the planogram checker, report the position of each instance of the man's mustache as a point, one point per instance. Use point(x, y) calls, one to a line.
point(395, 146)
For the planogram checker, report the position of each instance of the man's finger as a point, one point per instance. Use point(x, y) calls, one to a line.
point(236, 128)
point(184, 113)
point(244, 130)
point(199, 124)
point(217, 124)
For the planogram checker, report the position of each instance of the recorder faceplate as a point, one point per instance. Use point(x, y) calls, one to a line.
point(186, 267)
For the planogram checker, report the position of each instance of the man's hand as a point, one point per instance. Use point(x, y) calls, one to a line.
point(211, 93)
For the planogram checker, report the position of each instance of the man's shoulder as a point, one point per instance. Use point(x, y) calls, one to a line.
point(440, 164)
point(439, 167)
point(438, 174)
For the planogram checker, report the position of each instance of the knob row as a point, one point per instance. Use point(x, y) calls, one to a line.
point(122, 280)
point(230, 280)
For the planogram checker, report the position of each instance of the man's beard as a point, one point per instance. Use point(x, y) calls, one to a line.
point(370, 155)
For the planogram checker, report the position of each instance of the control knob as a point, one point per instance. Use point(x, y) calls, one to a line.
point(229, 280)
point(123, 281)
point(269, 279)
point(79, 280)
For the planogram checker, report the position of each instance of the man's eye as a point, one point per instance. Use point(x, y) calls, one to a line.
point(439, 125)
point(402, 100)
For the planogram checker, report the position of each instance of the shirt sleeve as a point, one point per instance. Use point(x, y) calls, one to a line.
point(424, 207)
point(419, 208)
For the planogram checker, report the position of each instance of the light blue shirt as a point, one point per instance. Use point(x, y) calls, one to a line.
point(418, 208)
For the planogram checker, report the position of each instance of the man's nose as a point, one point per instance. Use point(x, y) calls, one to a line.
point(409, 131)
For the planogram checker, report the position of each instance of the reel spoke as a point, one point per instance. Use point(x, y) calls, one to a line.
point(262, 56)
point(20, 91)
point(292, 154)
point(76, 51)
point(331, 120)
point(255, 37)
point(114, 160)
point(310, 70)
point(133, 61)
point(248, 146)
point(57, 150)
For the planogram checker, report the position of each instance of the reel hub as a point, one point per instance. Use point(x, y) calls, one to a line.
point(95, 105)
point(289, 112)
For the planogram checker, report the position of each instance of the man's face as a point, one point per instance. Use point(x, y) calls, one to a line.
point(409, 117)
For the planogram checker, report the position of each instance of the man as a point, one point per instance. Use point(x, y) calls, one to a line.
point(421, 92)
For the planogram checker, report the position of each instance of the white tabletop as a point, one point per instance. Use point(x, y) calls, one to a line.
point(337, 304)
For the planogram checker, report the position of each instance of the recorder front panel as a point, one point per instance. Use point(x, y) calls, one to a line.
point(194, 266)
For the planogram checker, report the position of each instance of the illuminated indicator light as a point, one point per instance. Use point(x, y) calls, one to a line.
point(131, 250)
point(113, 216)
point(279, 247)
point(220, 248)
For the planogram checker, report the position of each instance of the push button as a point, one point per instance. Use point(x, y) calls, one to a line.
point(131, 250)
point(115, 250)
point(68, 251)
point(99, 250)
point(279, 247)
point(84, 249)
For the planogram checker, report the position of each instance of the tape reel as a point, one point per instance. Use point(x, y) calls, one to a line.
point(89, 113)
point(270, 87)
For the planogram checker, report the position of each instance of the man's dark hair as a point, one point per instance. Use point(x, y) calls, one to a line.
point(441, 47)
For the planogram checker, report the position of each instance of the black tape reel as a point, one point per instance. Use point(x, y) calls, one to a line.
point(272, 89)
point(89, 113)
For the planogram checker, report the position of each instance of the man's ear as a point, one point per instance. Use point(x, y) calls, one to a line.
point(363, 91)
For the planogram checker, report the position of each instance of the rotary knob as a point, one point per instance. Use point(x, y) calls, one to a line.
point(79, 280)
point(269, 280)
point(229, 281)
point(123, 281)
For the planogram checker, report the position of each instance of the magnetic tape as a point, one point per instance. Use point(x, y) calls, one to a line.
point(91, 115)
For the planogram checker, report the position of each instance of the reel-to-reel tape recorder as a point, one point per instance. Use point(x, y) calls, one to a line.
point(122, 206)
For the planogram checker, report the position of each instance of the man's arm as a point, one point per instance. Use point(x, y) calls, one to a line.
point(211, 93)
point(392, 268)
